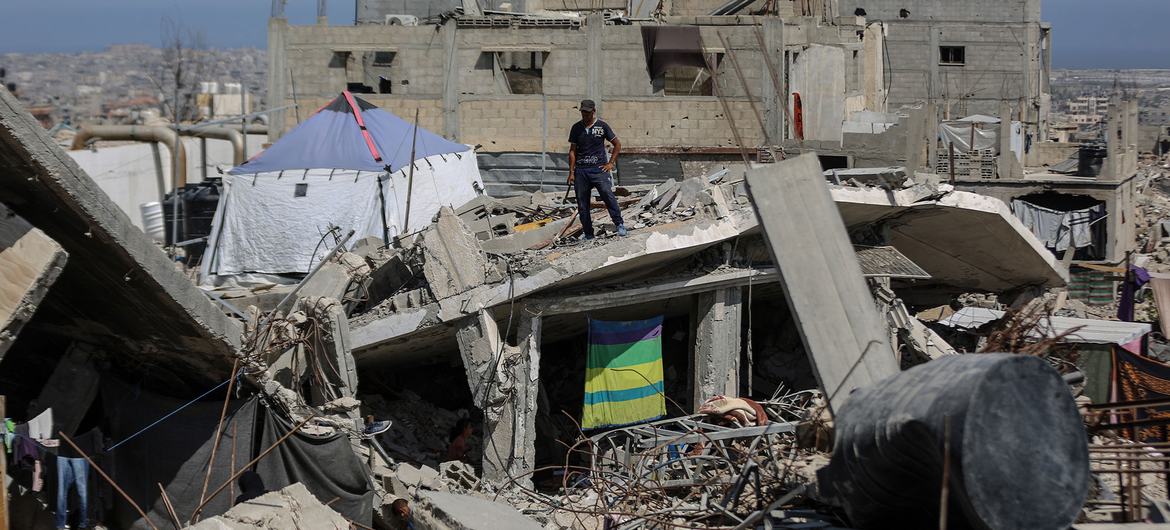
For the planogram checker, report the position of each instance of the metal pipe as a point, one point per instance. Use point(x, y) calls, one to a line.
point(137, 133)
point(222, 133)
point(253, 128)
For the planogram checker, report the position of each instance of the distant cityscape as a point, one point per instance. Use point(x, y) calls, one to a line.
point(127, 83)
point(132, 83)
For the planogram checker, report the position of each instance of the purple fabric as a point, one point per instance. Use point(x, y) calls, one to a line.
point(331, 139)
point(25, 452)
point(1136, 278)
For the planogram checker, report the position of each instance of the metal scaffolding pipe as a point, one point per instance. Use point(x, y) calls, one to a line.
point(137, 133)
point(222, 133)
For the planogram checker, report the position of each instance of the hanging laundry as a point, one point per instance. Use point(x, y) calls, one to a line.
point(1056, 229)
point(41, 427)
point(8, 431)
point(1136, 278)
point(623, 381)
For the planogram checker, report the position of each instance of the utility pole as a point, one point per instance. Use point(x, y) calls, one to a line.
point(244, 116)
point(175, 161)
point(410, 176)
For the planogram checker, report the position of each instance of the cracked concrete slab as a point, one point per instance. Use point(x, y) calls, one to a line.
point(30, 263)
point(112, 261)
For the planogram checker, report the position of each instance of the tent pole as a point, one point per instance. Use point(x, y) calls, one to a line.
point(382, 199)
point(410, 175)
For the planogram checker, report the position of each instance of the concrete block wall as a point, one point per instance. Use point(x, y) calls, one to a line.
point(947, 10)
point(479, 111)
point(997, 65)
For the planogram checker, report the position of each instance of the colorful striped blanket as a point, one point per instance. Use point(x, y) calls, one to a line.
point(623, 380)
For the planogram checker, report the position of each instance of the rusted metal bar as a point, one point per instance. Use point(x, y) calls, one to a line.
point(219, 429)
point(170, 507)
point(248, 465)
point(108, 479)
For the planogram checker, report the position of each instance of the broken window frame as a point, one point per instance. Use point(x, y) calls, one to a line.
point(376, 70)
point(506, 73)
point(705, 86)
point(952, 55)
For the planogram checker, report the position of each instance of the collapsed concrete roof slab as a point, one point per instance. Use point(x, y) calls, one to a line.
point(846, 338)
point(966, 241)
point(557, 269)
point(417, 333)
point(30, 262)
point(118, 289)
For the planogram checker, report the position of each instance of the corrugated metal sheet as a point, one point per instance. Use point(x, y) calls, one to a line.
point(508, 174)
point(888, 262)
point(1091, 331)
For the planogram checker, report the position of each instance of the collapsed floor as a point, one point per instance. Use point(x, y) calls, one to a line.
point(775, 289)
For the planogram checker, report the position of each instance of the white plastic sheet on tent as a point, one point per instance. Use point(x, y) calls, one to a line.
point(262, 226)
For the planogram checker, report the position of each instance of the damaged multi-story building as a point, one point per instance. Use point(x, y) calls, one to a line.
point(785, 227)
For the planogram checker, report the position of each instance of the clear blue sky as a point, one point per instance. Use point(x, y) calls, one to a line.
point(1087, 33)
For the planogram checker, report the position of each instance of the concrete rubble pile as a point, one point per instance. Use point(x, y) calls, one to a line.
point(799, 368)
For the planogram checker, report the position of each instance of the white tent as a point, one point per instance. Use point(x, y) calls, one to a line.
point(346, 167)
point(279, 222)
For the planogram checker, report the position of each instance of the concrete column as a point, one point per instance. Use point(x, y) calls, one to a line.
point(594, 25)
point(931, 135)
point(1006, 163)
point(718, 343)
point(935, 82)
point(331, 348)
point(451, 82)
point(915, 132)
point(773, 96)
point(277, 74)
point(503, 381)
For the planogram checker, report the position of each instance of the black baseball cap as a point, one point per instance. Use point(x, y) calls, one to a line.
point(588, 105)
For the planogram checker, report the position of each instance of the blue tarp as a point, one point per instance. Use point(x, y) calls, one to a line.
point(332, 139)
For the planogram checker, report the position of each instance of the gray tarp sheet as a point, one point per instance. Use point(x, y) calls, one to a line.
point(172, 453)
point(327, 466)
point(175, 453)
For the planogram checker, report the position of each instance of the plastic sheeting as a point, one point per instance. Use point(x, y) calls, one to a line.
point(262, 226)
point(975, 133)
point(327, 466)
point(177, 451)
point(173, 453)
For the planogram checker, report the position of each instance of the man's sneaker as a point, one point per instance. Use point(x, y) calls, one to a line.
point(621, 230)
point(586, 237)
point(377, 427)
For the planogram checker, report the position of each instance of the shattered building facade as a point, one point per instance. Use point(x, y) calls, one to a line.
point(785, 286)
point(510, 83)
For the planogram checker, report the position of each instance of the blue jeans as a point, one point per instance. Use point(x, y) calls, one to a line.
point(72, 472)
point(584, 180)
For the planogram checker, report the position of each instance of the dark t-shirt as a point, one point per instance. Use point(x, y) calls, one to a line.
point(591, 143)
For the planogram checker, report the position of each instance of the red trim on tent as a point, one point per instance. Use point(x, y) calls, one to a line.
point(357, 114)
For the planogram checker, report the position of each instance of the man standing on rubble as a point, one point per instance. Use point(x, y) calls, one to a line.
point(589, 167)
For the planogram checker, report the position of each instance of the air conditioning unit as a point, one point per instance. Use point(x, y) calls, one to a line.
point(401, 20)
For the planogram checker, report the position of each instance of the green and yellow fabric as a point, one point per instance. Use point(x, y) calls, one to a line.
point(623, 380)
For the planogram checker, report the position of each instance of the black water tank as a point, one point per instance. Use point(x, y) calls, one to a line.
point(1019, 455)
point(197, 204)
point(1090, 160)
